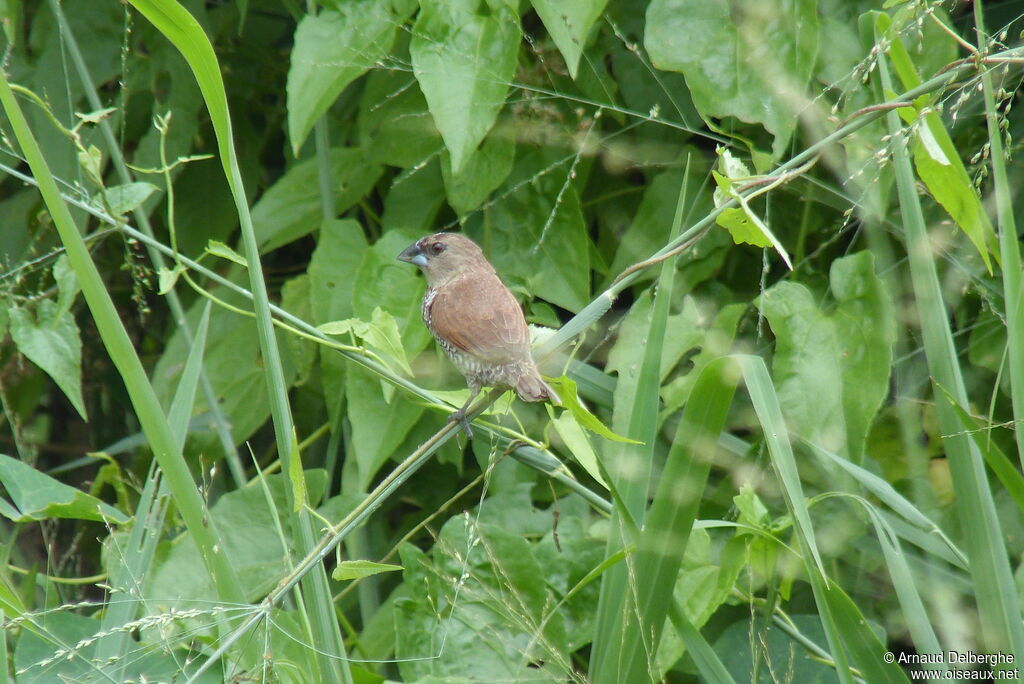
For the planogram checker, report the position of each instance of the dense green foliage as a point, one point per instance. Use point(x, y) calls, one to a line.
point(770, 254)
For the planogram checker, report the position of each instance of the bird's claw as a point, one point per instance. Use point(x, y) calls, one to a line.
point(460, 417)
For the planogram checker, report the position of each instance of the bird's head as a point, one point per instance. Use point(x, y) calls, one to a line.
point(444, 256)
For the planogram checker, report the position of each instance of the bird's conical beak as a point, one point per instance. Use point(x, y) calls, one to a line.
point(414, 255)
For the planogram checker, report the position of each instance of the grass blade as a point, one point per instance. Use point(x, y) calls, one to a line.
point(997, 596)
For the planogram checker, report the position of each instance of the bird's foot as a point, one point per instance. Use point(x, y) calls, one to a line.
point(460, 417)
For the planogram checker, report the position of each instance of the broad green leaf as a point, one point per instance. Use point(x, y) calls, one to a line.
point(383, 333)
point(747, 60)
point(538, 238)
point(332, 269)
point(52, 342)
point(250, 529)
point(394, 287)
point(219, 249)
point(414, 200)
point(67, 285)
point(395, 127)
point(91, 161)
point(865, 326)
point(716, 341)
point(37, 496)
point(742, 222)
point(380, 333)
point(569, 23)
point(290, 208)
point(37, 655)
point(332, 49)
point(296, 300)
point(464, 57)
point(778, 659)
point(378, 427)
point(121, 199)
point(232, 364)
point(646, 233)
point(808, 377)
point(344, 327)
point(484, 171)
point(499, 623)
point(358, 569)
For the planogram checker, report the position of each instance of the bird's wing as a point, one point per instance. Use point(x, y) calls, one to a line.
point(478, 315)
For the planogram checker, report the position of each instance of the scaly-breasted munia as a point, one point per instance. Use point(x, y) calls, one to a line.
point(475, 319)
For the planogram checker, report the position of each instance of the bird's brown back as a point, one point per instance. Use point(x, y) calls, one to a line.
point(476, 314)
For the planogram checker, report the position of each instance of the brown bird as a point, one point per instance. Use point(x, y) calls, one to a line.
point(475, 319)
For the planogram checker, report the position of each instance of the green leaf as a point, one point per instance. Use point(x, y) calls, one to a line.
point(741, 228)
point(52, 342)
point(296, 300)
point(736, 220)
point(938, 161)
point(67, 285)
point(859, 639)
point(395, 127)
point(414, 199)
point(91, 161)
point(805, 367)
point(742, 222)
point(36, 496)
point(716, 341)
point(566, 389)
point(484, 171)
point(865, 325)
point(358, 569)
point(464, 57)
point(646, 233)
point(219, 249)
point(121, 199)
point(232, 363)
point(832, 371)
point(501, 605)
point(394, 287)
point(534, 230)
point(753, 639)
point(568, 23)
point(332, 49)
point(378, 427)
point(290, 208)
point(168, 278)
point(579, 444)
point(249, 524)
point(746, 60)
point(332, 269)
point(381, 333)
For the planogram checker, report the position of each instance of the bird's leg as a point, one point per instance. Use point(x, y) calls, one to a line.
point(460, 415)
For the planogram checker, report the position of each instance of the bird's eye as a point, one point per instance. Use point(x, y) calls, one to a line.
point(437, 248)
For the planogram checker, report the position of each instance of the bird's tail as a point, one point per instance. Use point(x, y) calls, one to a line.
point(531, 387)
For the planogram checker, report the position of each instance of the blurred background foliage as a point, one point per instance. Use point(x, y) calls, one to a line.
point(571, 141)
